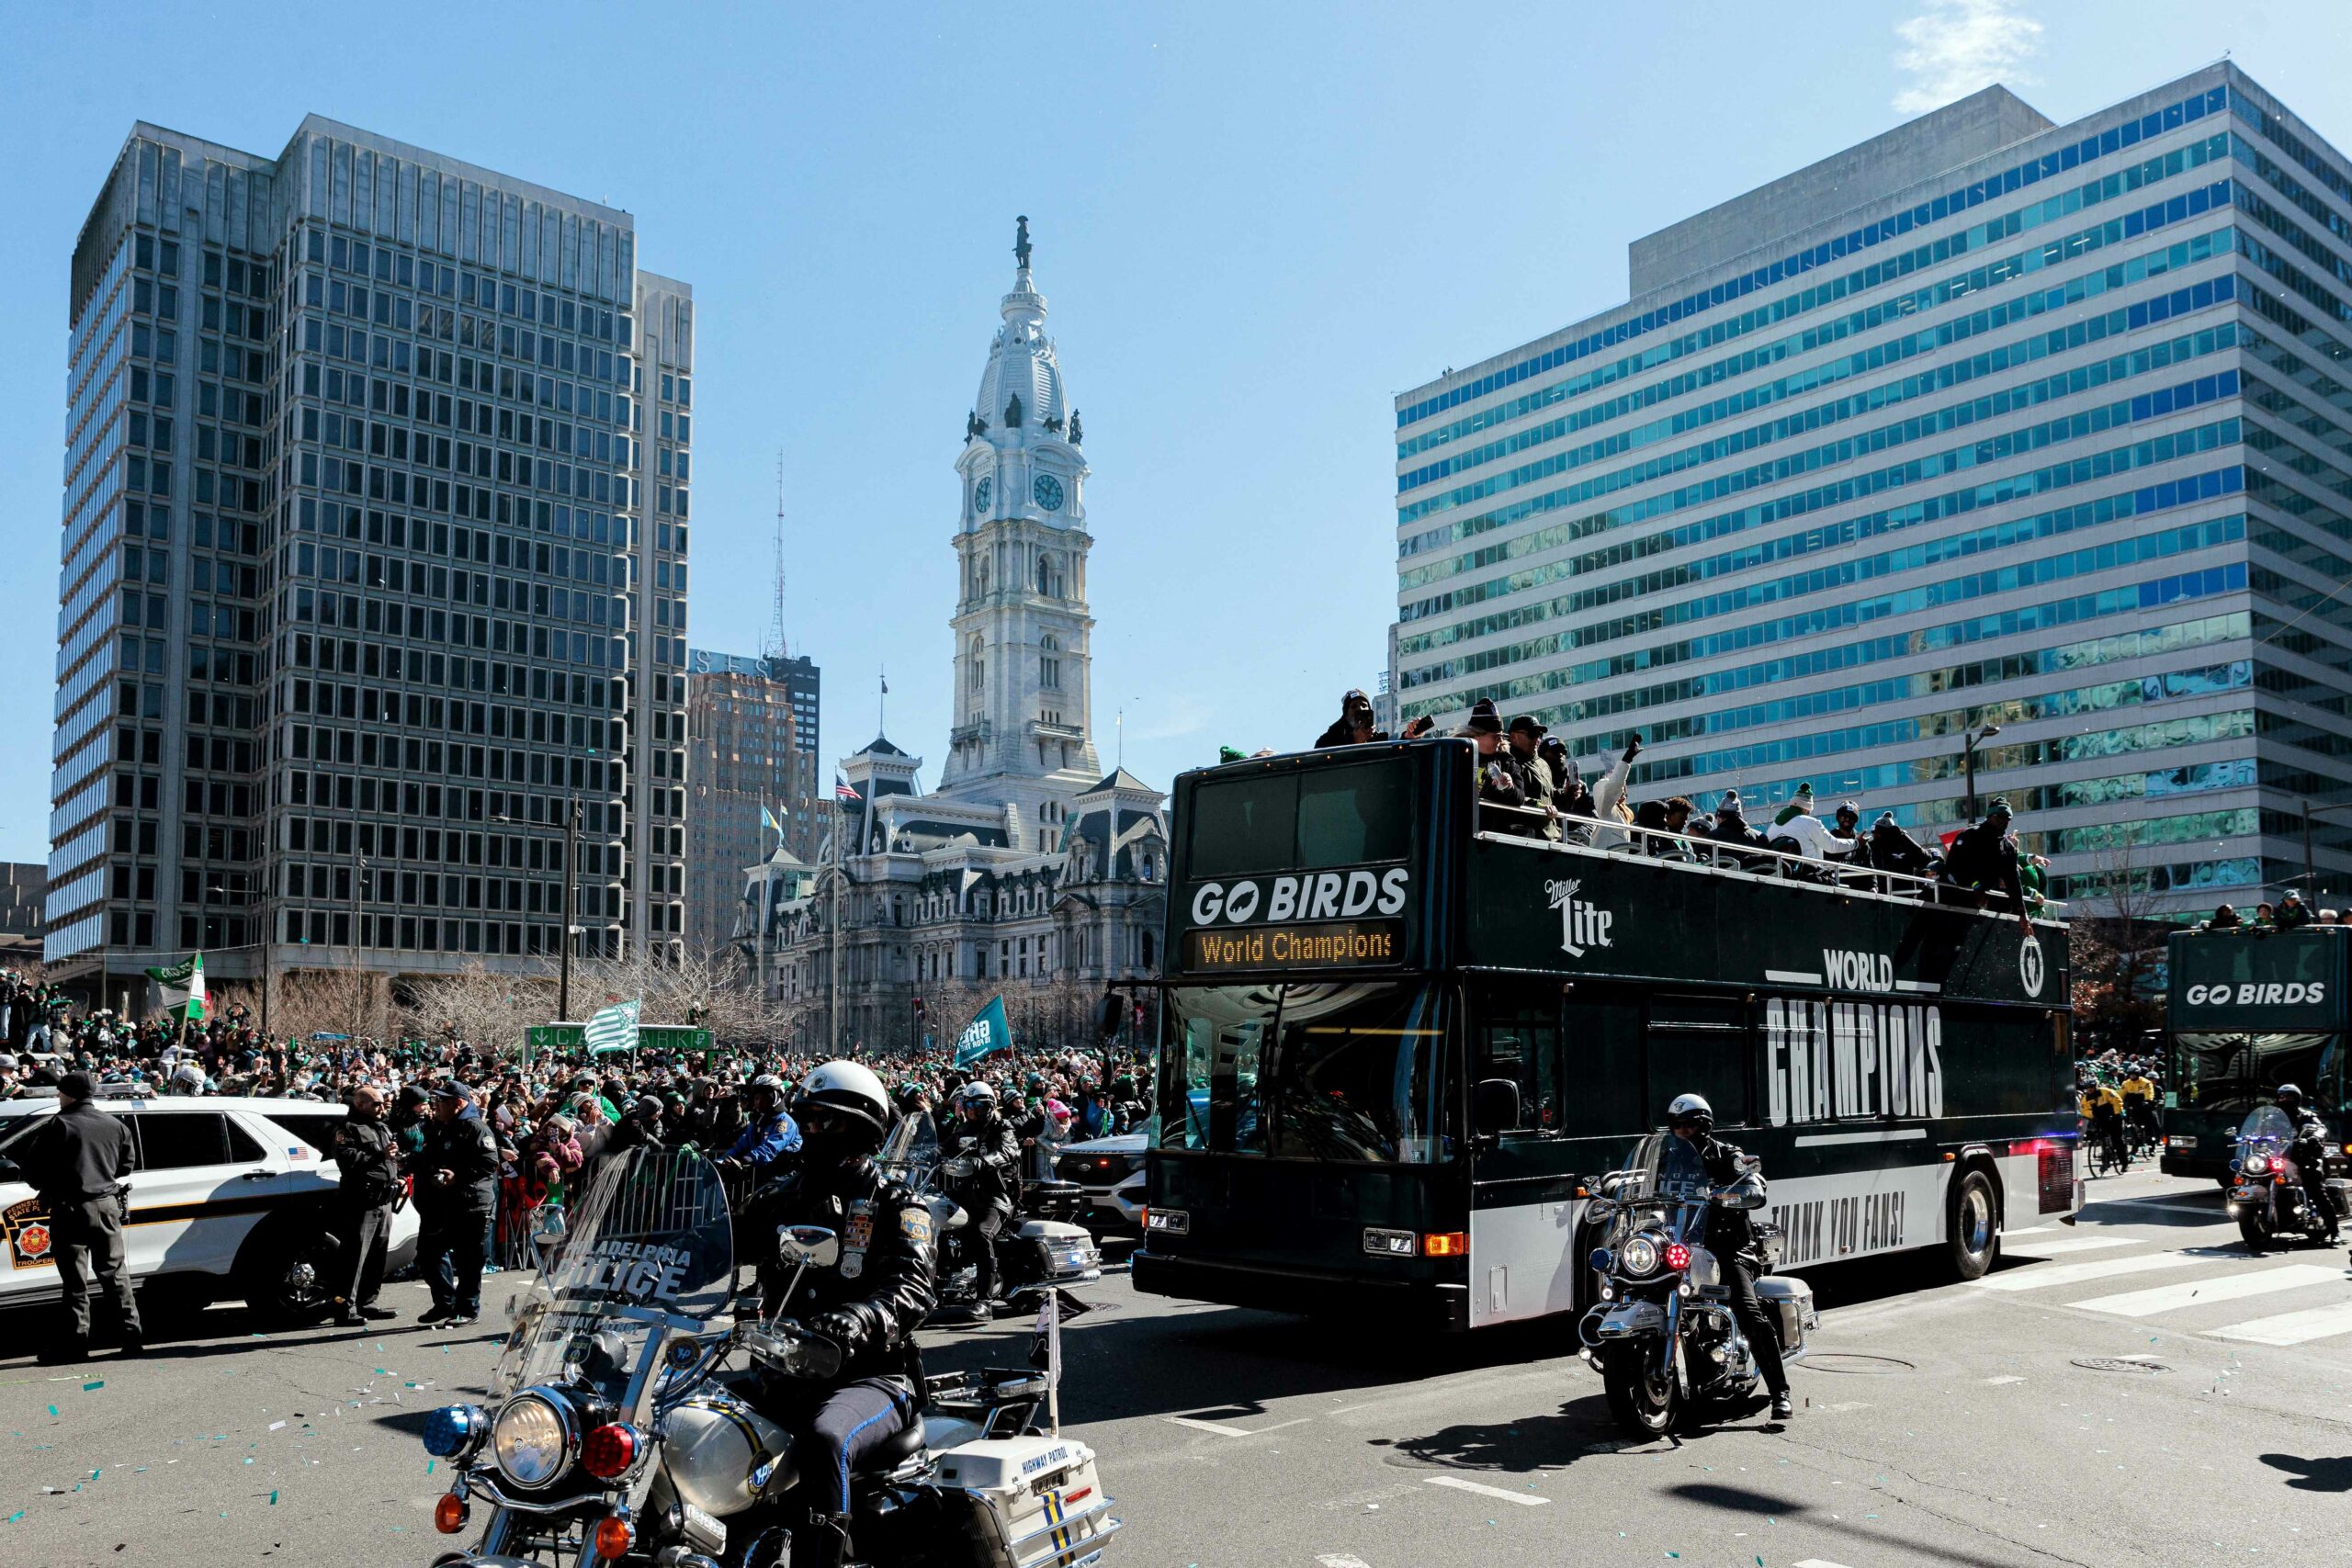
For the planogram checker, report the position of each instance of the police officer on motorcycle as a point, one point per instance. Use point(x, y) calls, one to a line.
point(1731, 1235)
point(2309, 1151)
point(982, 1170)
point(869, 1300)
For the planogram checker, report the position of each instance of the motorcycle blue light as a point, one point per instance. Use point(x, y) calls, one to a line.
point(452, 1429)
point(1600, 1259)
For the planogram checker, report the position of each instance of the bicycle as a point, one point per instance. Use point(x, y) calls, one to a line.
point(2109, 1154)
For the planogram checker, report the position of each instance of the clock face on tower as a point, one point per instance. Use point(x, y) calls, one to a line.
point(980, 493)
point(1048, 492)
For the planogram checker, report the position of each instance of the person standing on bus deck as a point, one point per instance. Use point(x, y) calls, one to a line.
point(1981, 860)
point(1498, 780)
point(1535, 776)
point(1354, 726)
point(2292, 912)
point(1731, 1235)
point(76, 1162)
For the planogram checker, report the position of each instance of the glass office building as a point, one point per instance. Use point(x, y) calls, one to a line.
point(753, 728)
point(376, 519)
point(1986, 421)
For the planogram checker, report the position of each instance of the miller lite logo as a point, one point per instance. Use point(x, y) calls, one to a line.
point(1582, 925)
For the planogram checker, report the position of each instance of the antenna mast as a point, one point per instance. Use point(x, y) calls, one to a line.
point(775, 647)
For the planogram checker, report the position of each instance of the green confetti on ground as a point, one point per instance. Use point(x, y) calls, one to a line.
point(429, 1464)
point(52, 1410)
point(93, 1387)
point(273, 1497)
point(15, 1517)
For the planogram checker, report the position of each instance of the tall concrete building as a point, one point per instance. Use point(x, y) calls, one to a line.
point(1026, 874)
point(1987, 420)
point(376, 512)
point(751, 724)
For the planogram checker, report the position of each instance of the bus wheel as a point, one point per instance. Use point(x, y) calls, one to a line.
point(1975, 1226)
point(1641, 1400)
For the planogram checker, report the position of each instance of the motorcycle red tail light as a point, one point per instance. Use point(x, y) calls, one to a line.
point(1677, 1255)
point(609, 1451)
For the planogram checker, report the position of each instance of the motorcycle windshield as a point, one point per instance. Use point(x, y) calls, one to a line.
point(2266, 1124)
point(1665, 1167)
point(649, 1247)
point(911, 1152)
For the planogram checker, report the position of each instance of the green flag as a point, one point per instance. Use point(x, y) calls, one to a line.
point(612, 1029)
point(987, 1035)
point(182, 987)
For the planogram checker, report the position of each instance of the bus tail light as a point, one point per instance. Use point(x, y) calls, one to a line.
point(1445, 1243)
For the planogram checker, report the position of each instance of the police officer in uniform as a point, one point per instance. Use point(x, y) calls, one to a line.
point(365, 1153)
point(1731, 1237)
point(457, 1189)
point(983, 1174)
point(869, 1301)
point(76, 1162)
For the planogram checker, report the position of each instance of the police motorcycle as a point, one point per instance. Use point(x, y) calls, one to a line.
point(1034, 1253)
point(1662, 1334)
point(620, 1430)
point(2270, 1192)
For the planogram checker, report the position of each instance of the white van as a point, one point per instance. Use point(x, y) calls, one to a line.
point(230, 1198)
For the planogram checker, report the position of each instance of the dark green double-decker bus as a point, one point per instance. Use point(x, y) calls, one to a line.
point(2245, 1010)
point(1397, 1029)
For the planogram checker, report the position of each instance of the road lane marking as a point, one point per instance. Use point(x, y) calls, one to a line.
point(1223, 1431)
point(2291, 1327)
point(1817, 1562)
point(2197, 1293)
point(1525, 1499)
point(1341, 1560)
point(2072, 1243)
point(2077, 1273)
point(1997, 1383)
point(2028, 1230)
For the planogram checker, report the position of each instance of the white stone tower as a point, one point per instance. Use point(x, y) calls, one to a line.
point(1023, 735)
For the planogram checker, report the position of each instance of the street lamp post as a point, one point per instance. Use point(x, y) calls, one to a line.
point(1968, 740)
point(570, 887)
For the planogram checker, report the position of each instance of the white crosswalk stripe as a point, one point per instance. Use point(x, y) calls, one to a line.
point(2059, 1245)
point(2036, 1279)
point(2201, 1293)
point(2291, 1327)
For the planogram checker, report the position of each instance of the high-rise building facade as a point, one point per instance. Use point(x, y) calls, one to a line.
point(374, 567)
point(1988, 421)
point(752, 724)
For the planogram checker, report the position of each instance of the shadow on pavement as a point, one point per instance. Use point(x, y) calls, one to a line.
point(1518, 1447)
point(2313, 1475)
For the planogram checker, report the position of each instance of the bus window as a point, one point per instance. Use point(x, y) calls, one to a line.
point(2234, 1073)
point(1518, 1038)
point(1350, 1072)
point(1701, 1046)
point(1600, 1064)
point(1310, 820)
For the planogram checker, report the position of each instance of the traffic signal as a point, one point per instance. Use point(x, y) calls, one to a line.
point(1108, 1013)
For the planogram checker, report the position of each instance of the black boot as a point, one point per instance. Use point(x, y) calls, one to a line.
point(822, 1542)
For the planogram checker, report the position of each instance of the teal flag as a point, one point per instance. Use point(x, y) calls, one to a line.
point(612, 1029)
point(987, 1035)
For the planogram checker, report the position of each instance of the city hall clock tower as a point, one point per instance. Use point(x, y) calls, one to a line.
point(1022, 734)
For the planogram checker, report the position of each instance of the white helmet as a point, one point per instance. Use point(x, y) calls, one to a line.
point(1690, 1107)
point(980, 1091)
point(845, 1085)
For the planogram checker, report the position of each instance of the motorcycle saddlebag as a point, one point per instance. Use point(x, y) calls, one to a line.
point(1790, 1302)
point(1036, 1501)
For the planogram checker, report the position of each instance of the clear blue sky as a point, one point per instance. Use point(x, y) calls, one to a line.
point(1254, 224)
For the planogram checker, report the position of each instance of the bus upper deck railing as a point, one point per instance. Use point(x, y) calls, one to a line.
point(1524, 825)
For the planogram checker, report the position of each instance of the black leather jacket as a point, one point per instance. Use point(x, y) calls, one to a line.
point(370, 1166)
point(1731, 1233)
point(996, 1150)
point(468, 1149)
point(883, 1278)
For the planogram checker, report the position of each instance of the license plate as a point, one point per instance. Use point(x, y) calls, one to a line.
point(2183, 1140)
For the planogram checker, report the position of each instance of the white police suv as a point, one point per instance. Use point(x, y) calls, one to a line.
point(230, 1198)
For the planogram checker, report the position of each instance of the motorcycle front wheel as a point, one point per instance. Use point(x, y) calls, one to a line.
point(2251, 1228)
point(1644, 1400)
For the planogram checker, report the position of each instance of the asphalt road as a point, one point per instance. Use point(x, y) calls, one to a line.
point(1940, 1425)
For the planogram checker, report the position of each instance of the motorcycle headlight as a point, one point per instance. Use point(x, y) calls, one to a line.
point(1639, 1255)
point(534, 1437)
point(2255, 1164)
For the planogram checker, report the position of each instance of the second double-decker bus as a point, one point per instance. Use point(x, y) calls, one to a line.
point(2245, 1010)
point(1397, 1031)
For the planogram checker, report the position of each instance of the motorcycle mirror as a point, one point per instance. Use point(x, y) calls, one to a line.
point(550, 1229)
point(810, 1247)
